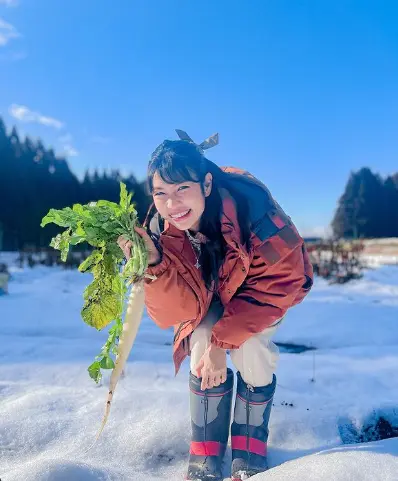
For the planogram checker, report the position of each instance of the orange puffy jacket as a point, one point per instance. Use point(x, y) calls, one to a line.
point(257, 287)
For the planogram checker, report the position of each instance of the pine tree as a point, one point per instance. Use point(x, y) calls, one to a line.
point(361, 208)
point(33, 180)
point(390, 210)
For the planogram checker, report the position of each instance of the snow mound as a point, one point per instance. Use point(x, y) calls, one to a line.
point(365, 462)
point(57, 470)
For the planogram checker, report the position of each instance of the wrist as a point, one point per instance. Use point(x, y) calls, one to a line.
point(214, 348)
point(157, 253)
point(155, 261)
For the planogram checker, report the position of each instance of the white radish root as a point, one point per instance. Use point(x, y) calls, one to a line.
point(132, 321)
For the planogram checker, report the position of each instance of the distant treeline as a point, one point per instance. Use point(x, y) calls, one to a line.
point(368, 207)
point(33, 180)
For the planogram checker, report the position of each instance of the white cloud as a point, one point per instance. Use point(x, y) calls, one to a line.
point(70, 151)
point(50, 122)
point(24, 114)
point(7, 32)
point(9, 3)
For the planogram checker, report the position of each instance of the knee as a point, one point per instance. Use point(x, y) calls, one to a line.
point(198, 344)
point(256, 361)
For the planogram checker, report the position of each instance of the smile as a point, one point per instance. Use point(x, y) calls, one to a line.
point(180, 215)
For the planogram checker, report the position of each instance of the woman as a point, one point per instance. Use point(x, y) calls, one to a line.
point(226, 264)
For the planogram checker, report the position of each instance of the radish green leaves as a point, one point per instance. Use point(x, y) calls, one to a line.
point(100, 224)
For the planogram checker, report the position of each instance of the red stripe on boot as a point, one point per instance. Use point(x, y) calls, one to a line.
point(255, 446)
point(205, 448)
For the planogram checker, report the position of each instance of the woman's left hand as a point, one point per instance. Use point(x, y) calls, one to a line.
point(212, 367)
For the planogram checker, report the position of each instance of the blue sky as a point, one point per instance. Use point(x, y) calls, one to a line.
point(301, 92)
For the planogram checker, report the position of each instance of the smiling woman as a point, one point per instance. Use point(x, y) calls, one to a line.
point(182, 204)
point(182, 187)
point(228, 264)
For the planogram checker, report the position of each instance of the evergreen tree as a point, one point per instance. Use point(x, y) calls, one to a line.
point(390, 210)
point(33, 180)
point(361, 210)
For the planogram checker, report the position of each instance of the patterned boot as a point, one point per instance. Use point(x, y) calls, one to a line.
point(211, 416)
point(249, 430)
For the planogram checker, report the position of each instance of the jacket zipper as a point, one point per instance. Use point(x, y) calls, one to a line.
point(177, 334)
point(196, 289)
point(201, 309)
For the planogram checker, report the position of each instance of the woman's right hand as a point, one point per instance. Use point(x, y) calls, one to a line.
point(153, 253)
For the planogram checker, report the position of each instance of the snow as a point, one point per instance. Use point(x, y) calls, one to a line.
point(334, 316)
point(326, 401)
point(380, 259)
point(369, 462)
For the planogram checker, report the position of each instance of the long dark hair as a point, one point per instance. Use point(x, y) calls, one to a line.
point(178, 161)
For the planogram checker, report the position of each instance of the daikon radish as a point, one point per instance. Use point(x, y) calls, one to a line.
point(100, 224)
point(132, 321)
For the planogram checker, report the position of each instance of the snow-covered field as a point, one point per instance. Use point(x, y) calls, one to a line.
point(327, 400)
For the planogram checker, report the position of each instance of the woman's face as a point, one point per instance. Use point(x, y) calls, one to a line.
point(181, 204)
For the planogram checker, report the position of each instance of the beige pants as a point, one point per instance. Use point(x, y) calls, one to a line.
point(256, 359)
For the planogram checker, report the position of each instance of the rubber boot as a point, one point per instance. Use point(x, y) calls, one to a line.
point(211, 417)
point(249, 430)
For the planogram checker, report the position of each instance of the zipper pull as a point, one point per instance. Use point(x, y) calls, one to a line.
point(206, 406)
